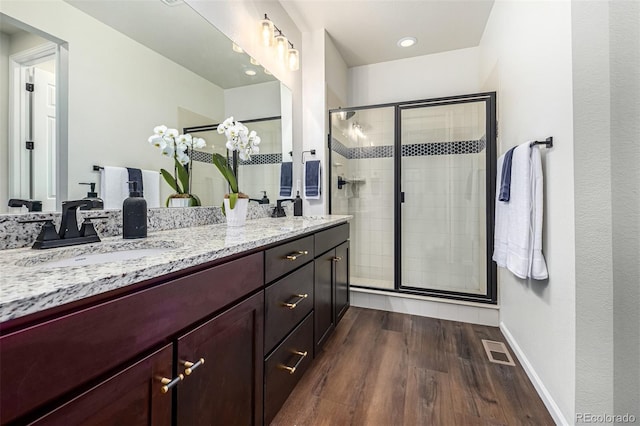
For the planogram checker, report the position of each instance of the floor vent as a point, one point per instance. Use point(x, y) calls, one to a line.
point(497, 352)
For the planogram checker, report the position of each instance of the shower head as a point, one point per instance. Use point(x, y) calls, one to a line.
point(346, 115)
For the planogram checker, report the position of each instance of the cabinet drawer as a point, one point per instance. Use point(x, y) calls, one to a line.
point(326, 240)
point(285, 366)
point(287, 257)
point(287, 301)
point(66, 352)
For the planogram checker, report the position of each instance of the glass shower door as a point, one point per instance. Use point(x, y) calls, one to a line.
point(443, 205)
point(362, 185)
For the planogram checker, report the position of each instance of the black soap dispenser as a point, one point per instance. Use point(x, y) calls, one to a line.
point(95, 202)
point(297, 205)
point(264, 200)
point(134, 214)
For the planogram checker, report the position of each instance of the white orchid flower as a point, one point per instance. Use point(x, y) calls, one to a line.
point(160, 130)
point(254, 150)
point(199, 143)
point(182, 157)
point(243, 156)
point(172, 133)
point(184, 139)
point(181, 147)
point(156, 140)
point(167, 150)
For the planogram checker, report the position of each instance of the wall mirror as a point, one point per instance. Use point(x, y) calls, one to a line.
point(118, 70)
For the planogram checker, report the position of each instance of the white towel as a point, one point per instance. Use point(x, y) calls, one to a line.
point(518, 223)
point(114, 188)
point(538, 268)
point(151, 183)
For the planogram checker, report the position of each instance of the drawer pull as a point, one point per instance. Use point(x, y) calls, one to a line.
point(337, 259)
point(190, 366)
point(292, 370)
point(294, 256)
point(293, 305)
point(169, 383)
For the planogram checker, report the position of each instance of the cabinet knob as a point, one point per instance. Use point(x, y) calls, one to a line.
point(294, 256)
point(337, 259)
point(292, 370)
point(191, 366)
point(293, 305)
point(169, 383)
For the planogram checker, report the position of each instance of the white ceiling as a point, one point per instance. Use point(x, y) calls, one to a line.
point(367, 31)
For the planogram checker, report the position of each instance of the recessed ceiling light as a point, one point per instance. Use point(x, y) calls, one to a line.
point(250, 72)
point(407, 41)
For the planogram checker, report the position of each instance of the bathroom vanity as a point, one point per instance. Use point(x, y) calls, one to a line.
point(216, 326)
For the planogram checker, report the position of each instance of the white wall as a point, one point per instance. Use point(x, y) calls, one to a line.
point(113, 106)
point(4, 123)
point(254, 101)
point(525, 55)
point(422, 77)
point(624, 42)
point(606, 70)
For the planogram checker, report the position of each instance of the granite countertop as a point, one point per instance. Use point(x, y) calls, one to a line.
point(34, 280)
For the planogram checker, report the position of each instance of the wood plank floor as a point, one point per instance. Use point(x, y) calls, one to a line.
point(382, 369)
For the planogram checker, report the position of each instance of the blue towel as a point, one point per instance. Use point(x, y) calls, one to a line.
point(135, 175)
point(505, 180)
point(312, 179)
point(286, 179)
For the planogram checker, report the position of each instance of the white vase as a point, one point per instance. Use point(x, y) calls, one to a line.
point(179, 202)
point(238, 215)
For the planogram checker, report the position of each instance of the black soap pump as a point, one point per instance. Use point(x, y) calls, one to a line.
point(297, 205)
point(264, 200)
point(134, 214)
point(92, 196)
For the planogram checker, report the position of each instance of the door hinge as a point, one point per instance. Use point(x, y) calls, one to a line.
point(29, 145)
point(29, 87)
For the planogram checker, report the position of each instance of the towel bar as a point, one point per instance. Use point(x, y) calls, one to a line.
point(548, 142)
point(311, 151)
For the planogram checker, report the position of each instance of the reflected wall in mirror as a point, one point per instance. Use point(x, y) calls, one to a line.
point(133, 65)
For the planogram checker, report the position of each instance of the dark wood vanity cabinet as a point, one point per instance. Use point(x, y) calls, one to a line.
point(131, 397)
point(221, 344)
point(222, 366)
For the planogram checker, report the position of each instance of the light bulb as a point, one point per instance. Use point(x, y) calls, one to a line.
point(236, 48)
point(281, 47)
point(266, 32)
point(253, 61)
point(294, 60)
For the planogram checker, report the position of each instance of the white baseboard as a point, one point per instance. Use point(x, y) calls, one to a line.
point(546, 397)
point(475, 313)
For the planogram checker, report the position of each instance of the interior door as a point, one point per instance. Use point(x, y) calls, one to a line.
point(44, 138)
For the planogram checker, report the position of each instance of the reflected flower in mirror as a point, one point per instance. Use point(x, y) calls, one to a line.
point(180, 148)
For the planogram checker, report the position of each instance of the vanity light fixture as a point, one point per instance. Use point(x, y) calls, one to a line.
point(236, 48)
point(253, 61)
point(407, 41)
point(267, 31)
point(267, 72)
point(285, 50)
point(250, 72)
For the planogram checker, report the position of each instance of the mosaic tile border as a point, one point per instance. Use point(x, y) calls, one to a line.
point(206, 157)
point(410, 150)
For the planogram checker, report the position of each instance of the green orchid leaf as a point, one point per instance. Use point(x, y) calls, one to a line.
point(233, 198)
point(221, 163)
point(194, 201)
point(170, 180)
point(224, 211)
point(183, 176)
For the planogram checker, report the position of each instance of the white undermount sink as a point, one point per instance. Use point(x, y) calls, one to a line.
point(98, 253)
point(97, 258)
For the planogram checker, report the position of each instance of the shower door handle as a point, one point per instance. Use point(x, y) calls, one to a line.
point(402, 197)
